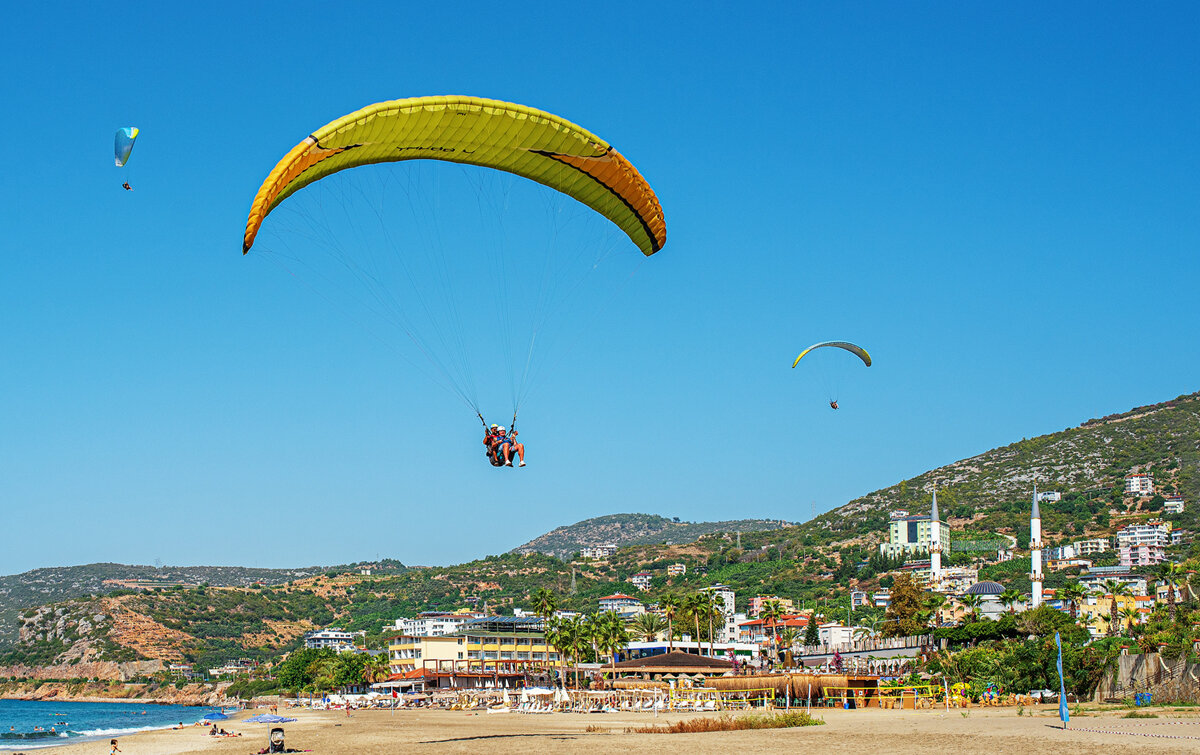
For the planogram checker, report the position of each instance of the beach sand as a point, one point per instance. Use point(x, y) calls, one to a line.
point(856, 732)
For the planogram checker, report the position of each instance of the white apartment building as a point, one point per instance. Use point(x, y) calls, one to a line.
point(430, 624)
point(1050, 496)
point(622, 605)
point(676, 570)
point(333, 637)
point(1173, 505)
point(599, 551)
point(729, 630)
point(1139, 484)
point(1091, 547)
point(641, 580)
point(1156, 533)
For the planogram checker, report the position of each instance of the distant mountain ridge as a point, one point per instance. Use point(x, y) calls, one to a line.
point(53, 584)
point(634, 529)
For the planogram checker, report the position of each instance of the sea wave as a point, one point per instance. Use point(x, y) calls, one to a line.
point(119, 732)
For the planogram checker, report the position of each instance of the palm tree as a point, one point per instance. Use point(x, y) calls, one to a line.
point(376, 668)
point(648, 626)
point(1114, 588)
point(789, 637)
point(545, 603)
point(934, 604)
point(771, 612)
point(1072, 593)
point(697, 606)
point(1010, 598)
point(1172, 574)
point(1130, 615)
point(971, 603)
point(670, 605)
point(577, 638)
point(713, 607)
point(611, 635)
point(568, 637)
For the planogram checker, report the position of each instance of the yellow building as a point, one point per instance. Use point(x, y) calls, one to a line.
point(471, 651)
point(1098, 609)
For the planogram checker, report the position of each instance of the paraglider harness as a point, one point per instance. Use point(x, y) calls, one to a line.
point(490, 443)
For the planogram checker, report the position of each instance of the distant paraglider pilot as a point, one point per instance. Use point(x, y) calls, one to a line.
point(833, 405)
point(126, 186)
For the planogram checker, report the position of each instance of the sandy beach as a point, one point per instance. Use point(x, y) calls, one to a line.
point(870, 731)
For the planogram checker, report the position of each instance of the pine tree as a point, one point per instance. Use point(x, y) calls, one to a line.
point(811, 636)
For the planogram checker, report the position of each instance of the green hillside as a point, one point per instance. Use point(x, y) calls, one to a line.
point(1089, 462)
point(634, 529)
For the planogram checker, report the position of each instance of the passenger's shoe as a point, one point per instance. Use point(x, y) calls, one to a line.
point(508, 463)
point(522, 463)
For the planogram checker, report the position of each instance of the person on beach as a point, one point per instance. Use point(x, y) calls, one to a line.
point(114, 749)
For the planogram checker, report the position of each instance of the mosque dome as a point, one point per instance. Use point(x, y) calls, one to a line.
point(985, 588)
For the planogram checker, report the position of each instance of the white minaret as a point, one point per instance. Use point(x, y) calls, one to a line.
point(1035, 550)
point(935, 545)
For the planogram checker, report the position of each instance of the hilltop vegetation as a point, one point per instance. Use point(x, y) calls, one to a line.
point(1089, 461)
point(634, 529)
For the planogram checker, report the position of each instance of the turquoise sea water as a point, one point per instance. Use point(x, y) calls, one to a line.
point(76, 722)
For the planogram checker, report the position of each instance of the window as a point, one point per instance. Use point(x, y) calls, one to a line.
point(522, 656)
point(539, 656)
point(507, 655)
point(460, 656)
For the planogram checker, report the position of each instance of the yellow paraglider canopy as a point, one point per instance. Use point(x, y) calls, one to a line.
point(489, 133)
point(854, 349)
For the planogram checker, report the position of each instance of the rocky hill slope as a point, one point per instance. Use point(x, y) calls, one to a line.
point(634, 529)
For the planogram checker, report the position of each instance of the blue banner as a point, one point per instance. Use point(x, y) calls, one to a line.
point(1064, 715)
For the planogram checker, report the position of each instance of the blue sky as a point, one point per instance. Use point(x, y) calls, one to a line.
point(1000, 203)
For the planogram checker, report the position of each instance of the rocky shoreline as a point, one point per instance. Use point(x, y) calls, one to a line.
point(115, 692)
